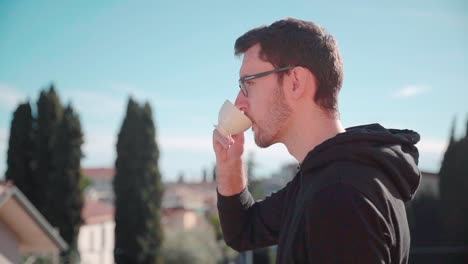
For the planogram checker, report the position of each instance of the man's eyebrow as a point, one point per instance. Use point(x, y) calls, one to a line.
point(243, 75)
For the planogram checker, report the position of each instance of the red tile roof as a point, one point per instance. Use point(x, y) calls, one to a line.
point(99, 173)
point(97, 212)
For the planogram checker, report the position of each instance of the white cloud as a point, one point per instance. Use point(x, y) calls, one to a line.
point(10, 96)
point(204, 144)
point(277, 151)
point(268, 160)
point(431, 153)
point(95, 102)
point(411, 90)
point(198, 144)
point(432, 146)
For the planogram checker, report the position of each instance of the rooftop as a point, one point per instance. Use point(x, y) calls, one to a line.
point(99, 173)
point(33, 231)
point(94, 212)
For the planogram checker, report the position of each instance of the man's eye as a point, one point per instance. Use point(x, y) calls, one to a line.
point(248, 83)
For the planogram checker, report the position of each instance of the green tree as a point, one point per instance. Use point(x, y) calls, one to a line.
point(453, 187)
point(20, 149)
point(49, 114)
point(424, 220)
point(44, 162)
point(67, 201)
point(255, 184)
point(138, 189)
point(261, 255)
point(190, 247)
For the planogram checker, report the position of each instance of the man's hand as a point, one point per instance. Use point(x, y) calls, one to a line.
point(229, 164)
point(227, 148)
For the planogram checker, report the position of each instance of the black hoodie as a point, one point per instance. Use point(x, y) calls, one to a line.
point(345, 204)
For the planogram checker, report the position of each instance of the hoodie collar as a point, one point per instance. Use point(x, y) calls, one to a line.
point(391, 150)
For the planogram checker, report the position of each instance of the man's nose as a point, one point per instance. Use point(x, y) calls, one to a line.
point(241, 102)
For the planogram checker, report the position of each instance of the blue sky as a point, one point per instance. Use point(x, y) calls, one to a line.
point(406, 66)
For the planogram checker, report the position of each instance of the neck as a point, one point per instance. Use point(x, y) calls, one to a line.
point(308, 131)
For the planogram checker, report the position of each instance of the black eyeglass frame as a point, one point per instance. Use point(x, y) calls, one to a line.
point(258, 75)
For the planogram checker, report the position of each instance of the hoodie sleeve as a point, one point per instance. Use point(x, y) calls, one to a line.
point(247, 224)
point(343, 226)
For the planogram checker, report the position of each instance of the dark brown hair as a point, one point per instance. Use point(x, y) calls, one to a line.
point(293, 42)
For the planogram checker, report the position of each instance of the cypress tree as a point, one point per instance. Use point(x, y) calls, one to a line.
point(20, 149)
point(67, 202)
point(49, 113)
point(138, 189)
point(44, 162)
point(453, 187)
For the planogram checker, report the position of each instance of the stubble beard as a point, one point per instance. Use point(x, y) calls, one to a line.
point(268, 132)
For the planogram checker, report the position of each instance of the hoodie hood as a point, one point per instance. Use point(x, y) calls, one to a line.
point(391, 150)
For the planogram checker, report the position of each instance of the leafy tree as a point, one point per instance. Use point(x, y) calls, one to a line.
point(216, 224)
point(261, 255)
point(255, 185)
point(138, 189)
point(453, 187)
point(67, 201)
point(190, 247)
point(20, 149)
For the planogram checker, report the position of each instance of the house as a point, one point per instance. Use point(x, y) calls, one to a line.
point(194, 195)
point(186, 205)
point(24, 231)
point(96, 235)
point(199, 196)
point(101, 184)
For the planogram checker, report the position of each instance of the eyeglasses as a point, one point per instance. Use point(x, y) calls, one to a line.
point(258, 75)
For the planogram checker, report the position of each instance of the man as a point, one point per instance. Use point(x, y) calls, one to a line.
point(346, 202)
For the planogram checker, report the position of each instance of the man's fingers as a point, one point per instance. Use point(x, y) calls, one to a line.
point(222, 140)
point(239, 138)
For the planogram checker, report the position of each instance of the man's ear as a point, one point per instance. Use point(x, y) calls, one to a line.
point(298, 82)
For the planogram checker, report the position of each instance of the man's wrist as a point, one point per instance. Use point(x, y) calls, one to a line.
point(231, 177)
point(233, 166)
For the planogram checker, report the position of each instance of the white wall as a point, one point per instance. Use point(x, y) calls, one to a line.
point(96, 243)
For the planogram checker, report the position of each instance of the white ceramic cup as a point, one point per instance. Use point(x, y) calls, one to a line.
point(231, 120)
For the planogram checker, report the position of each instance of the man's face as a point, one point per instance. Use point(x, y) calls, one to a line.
point(265, 104)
